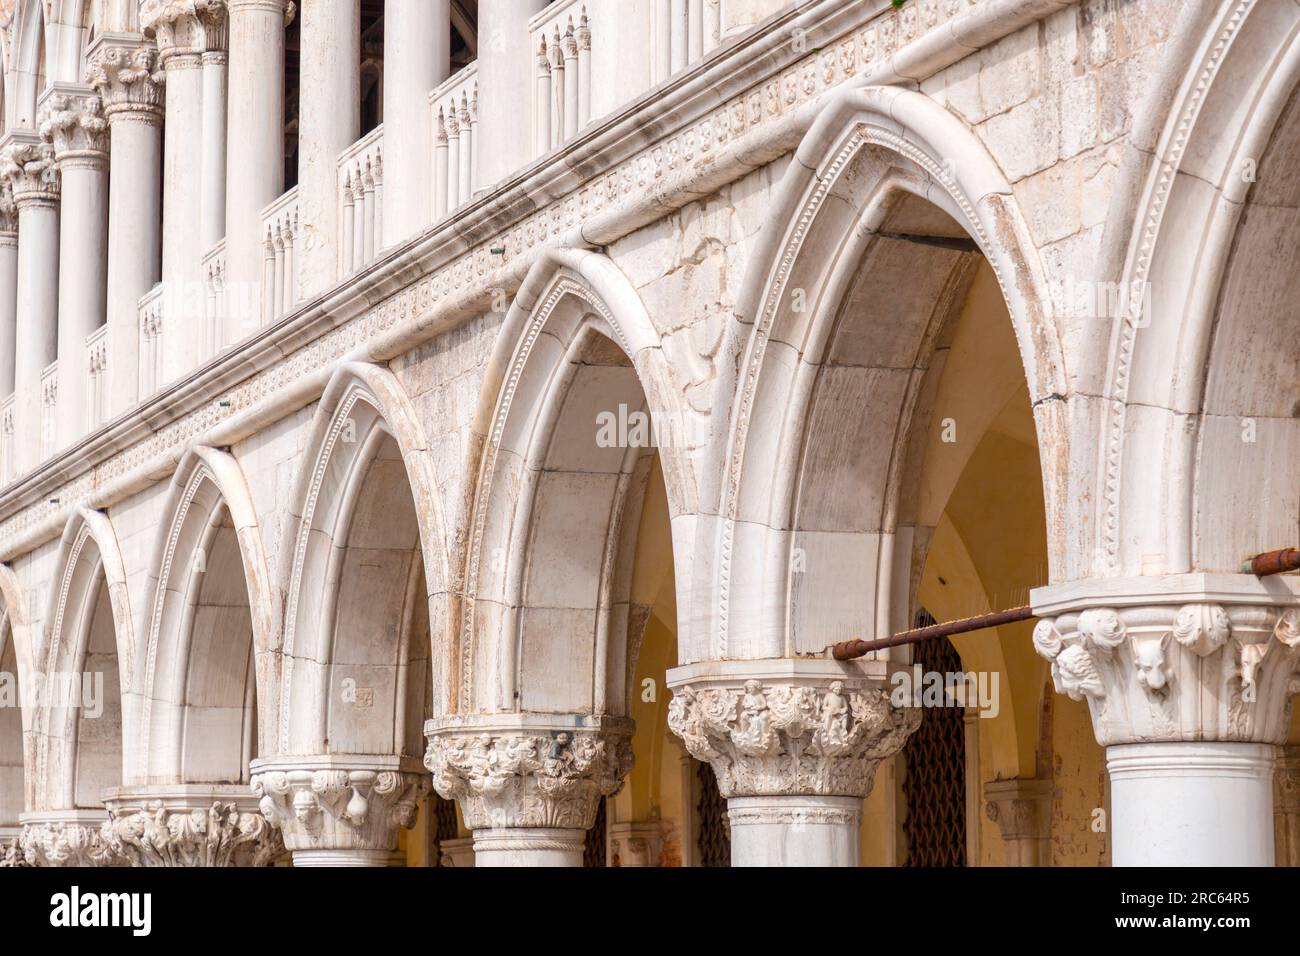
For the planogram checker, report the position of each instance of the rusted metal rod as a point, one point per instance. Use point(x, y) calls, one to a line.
point(1274, 562)
point(848, 650)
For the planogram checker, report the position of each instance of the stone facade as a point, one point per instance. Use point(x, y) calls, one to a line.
point(564, 396)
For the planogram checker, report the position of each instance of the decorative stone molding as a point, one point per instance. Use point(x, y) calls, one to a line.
point(541, 771)
point(121, 68)
point(1022, 809)
point(186, 30)
point(29, 167)
point(785, 727)
point(65, 838)
point(1201, 657)
point(190, 826)
point(339, 801)
point(72, 119)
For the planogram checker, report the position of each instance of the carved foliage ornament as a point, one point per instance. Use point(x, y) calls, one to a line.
point(31, 171)
point(339, 809)
point(1143, 670)
point(552, 780)
point(784, 739)
point(223, 835)
point(65, 844)
point(123, 75)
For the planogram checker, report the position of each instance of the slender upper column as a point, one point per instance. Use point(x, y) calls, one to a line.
point(8, 287)
point(1188, 680)
point(189, 825)
point(72, 119)
point(506, 68)
point(794, 744)
point(417, 57)
point(529, 785)
point(121, 67)
point(1286, 806)
point(213, 24)
point(329, 122)
point(254, 157)
point(182, 41)
point(29, 166)
point(1022, 809)
point(340, 809)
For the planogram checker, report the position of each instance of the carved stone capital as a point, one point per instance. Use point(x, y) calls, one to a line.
point(789, 727)
point(28, 165)
point(185, 30)
point(1022, 809)
point(190, 826)
point(339, 801)
point(121, 68)
point(11, 851)
point(65, 838)
point(72, 120)
point(1208, 658)
point(540, 771)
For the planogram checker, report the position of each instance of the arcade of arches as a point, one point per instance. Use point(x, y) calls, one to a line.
point(381, 487)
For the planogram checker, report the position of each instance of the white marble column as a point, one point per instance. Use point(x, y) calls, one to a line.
point(340, 809)
point(506, 74)
point(121, 67)
point(1187, 678)
point(29, 166)
point(181, 41)
point(189, 825)
point(255, 156)
point(329, 122)
point(8, 288)
point(72, 120)
point(417, 57)
point(529, 785)
point(794, 744)
point(215, 63)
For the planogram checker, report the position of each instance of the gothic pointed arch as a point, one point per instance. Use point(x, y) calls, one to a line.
point(1196, 367)
point(887, 212)
point(88, 646)
point(16, 668)
point(365, 577)
point(213, 616)
point(547, 623)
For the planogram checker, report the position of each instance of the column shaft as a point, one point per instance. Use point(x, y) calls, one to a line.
point(330, 122)
point(528, 846)
point(506, 70)
point(8, 305)
point(182, 214)
point(794, 830)
point(254, 157)
point(417, 57)
point(37, 334)
point(121, 68)
point(1191, 804)
point(83, 284)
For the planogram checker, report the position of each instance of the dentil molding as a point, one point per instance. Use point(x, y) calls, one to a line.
point(339, 801)
point(807, 727)
point(529, 770)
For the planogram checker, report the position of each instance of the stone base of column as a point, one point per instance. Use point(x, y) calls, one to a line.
point(1191, 804)
point(190, 825)
point(65, 838)
point(794, 831)
point(529, 846)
